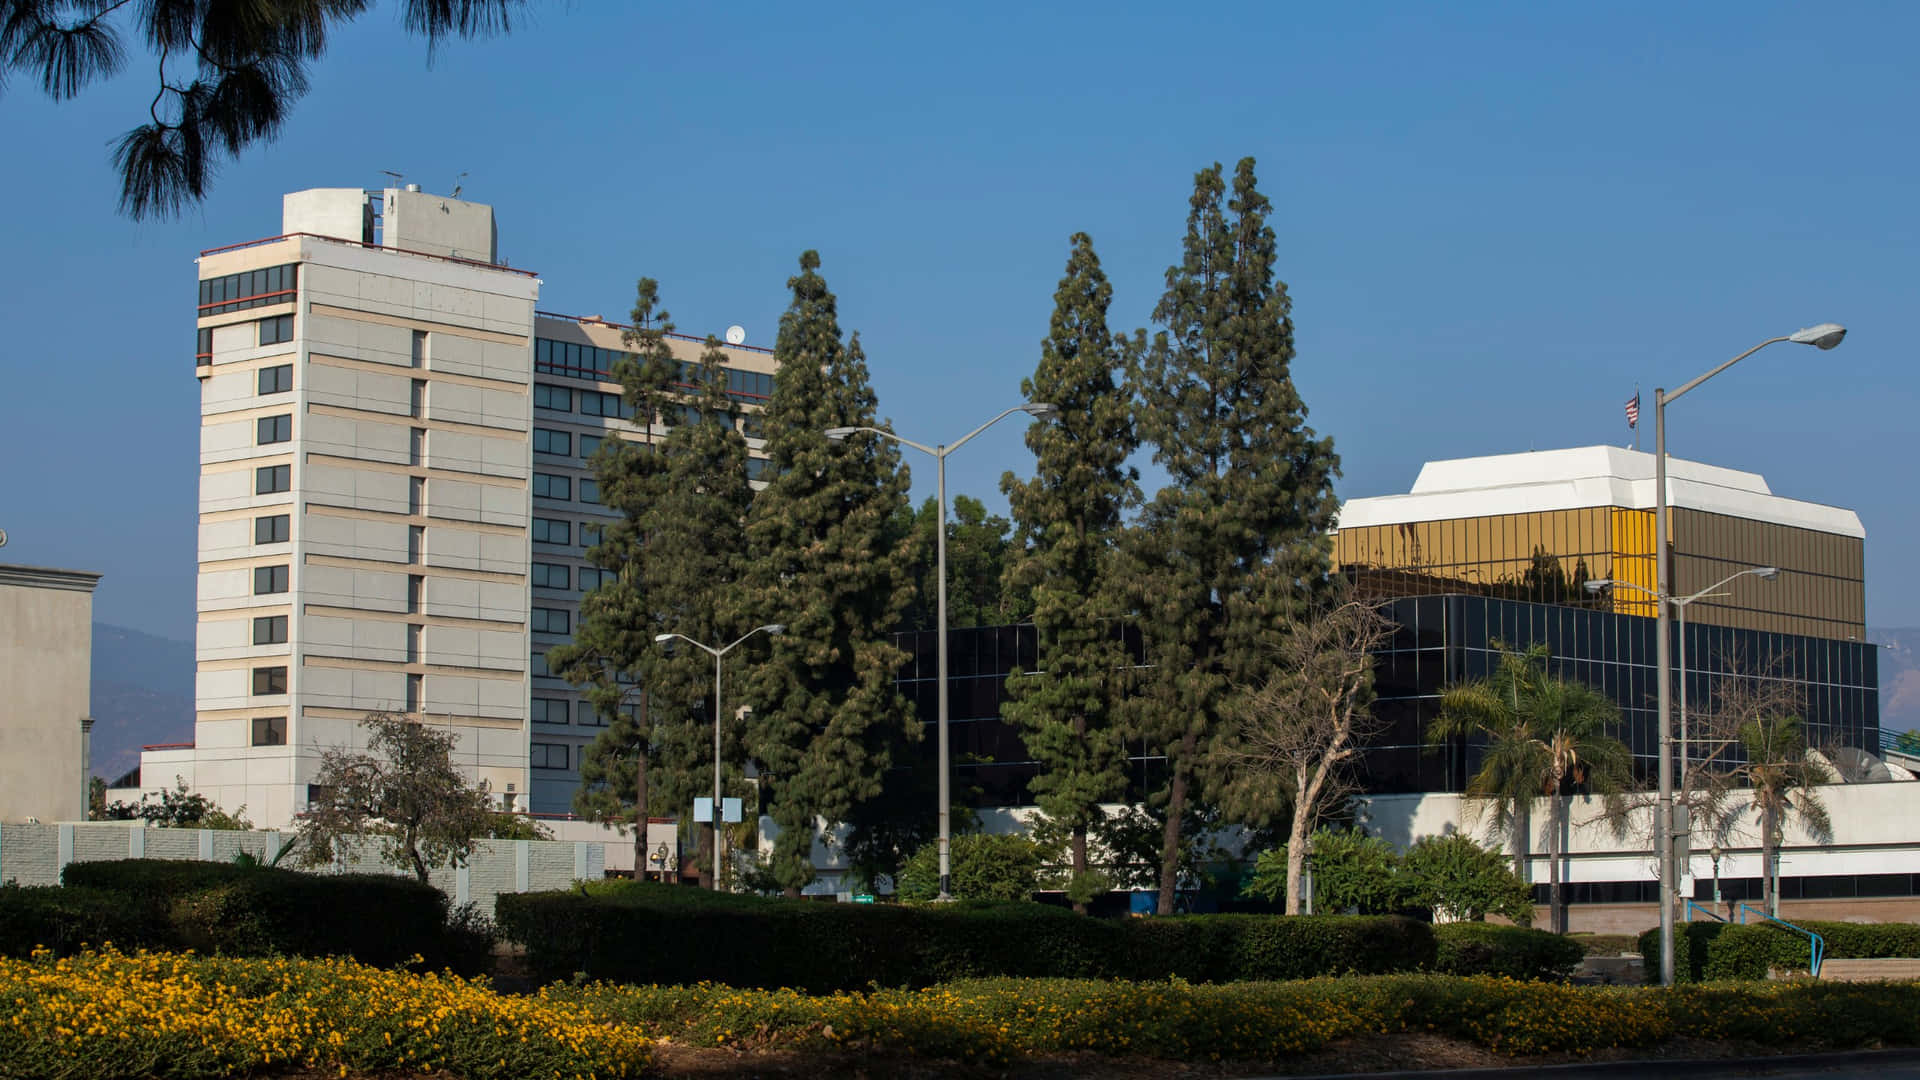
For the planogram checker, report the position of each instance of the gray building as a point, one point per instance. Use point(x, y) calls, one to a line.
point(46, 657)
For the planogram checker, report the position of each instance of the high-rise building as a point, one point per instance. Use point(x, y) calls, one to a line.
point(395, 503)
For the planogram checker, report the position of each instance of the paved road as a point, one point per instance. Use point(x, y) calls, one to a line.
point(1880, 1064)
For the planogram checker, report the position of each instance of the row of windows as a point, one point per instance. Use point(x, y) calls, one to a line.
point(249, 289)
point(556, 710)
point(269, 331)
point(557, 576)
point(560, 531)
point(601, 403)
point(592, 362)
point(556, 486)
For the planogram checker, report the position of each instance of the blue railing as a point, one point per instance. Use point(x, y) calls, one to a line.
point(1816, 945)
point(1693, 907)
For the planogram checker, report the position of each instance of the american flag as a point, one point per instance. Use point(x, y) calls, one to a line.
point(1633, 410)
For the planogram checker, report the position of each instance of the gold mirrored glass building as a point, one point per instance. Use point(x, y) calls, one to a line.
point(1537, 526)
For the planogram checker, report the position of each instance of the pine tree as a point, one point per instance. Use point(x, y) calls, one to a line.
point(1235, 544)
point(978, 546)
point(826, 558)
point(1068, 519)
point(612, 648)
point(695, 529)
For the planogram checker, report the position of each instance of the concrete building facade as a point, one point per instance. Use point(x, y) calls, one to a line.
point(46, 659)
point(395, 499)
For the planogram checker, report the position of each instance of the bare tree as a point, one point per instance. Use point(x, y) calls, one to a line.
point(1312, 717)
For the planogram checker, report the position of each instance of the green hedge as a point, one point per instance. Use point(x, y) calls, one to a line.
point(65, 919)
point(647, 933)
point(1479, 948)
point(1713, 950)
point(253, 911)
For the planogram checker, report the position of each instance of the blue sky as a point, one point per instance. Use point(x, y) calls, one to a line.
point(1494, 220)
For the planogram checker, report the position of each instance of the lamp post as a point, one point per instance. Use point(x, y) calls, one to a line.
point(662, 639)
point(1039, 411)
point(1715, 851)
point(1764, 573)
point(1823, 336)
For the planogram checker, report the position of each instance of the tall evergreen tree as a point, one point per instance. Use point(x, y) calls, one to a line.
point(612, 648)
point(695, 531)
point(827, 558)
point(1068, 518)
point(1235, 544)
point(978, 546)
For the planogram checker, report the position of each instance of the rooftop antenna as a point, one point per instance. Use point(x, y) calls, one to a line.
point(397, 177)
point(457, 185)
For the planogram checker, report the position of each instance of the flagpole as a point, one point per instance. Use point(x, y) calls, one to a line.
point(1636, 426)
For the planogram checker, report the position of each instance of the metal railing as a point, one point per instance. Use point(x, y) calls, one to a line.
point(1816, 945)
point(1708, 912)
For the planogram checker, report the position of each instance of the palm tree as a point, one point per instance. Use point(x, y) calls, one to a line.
point(1542, 733)
point(1781, 780)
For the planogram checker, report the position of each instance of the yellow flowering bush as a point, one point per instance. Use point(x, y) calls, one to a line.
point(176, 1014)
point(996, 1020)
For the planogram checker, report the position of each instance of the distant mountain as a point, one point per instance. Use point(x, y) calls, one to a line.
point(142, 694)
point(1899, 678)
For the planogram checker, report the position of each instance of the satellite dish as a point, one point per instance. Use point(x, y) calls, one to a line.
point(3, 538)
point(736, 335)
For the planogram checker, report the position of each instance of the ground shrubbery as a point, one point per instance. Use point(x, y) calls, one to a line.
point(1478, 948)
point(996, 1020)
point(111, 1014)
point(241, 911)
point(644, 933)
point(1713, 950)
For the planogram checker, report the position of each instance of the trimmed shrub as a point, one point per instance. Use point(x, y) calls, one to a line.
point(1712, 950)
point(151, 881)
point(1237, 948)
point(1478, 948)
point(646, 933)
point(253, 911)
point(64, 920)
point(374, 918)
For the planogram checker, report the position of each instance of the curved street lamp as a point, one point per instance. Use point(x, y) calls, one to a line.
point(1823, 336)
point(1764, 573)
point(1039, 411)
point(771, 630)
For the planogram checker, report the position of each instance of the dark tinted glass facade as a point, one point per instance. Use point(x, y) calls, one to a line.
point(1437, 640)
point(1442, 639)
point(988, 754)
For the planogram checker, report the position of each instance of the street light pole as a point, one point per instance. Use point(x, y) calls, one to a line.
point(662, 639)
point(1669, 870)
point(1823, 336)
point(1039, 411)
